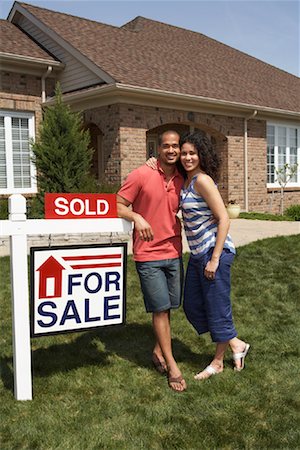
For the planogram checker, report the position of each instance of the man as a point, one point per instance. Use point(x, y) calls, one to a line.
point(154, 196)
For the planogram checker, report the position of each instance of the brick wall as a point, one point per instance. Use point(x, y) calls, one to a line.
point(24, 84)
point(124, 128)
point(21, 92)
point(291, 197)
point(257, 161)
point(137, 120)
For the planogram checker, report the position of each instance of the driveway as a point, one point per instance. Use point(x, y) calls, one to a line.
point(244, 231)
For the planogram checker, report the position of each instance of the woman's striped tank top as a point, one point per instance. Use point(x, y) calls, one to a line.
point(200, 232)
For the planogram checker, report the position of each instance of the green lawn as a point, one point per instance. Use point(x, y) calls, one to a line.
point(98, 390)
point(264, 216)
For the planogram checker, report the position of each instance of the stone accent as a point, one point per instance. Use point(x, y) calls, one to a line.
point(68, 239)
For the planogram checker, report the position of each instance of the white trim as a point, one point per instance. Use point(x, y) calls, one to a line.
point(60, 41)
point(288, 126)
point(8, 115)
point(11, 57)
point(122, 93)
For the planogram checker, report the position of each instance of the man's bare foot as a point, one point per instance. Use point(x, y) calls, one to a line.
point(177, 384)
point(159, 363)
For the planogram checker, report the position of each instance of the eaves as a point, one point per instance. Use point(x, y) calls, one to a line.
point(123, 93)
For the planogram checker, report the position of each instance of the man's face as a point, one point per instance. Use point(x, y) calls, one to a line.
point(169, 150)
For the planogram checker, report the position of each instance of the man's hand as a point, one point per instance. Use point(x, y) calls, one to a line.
point(143, 228)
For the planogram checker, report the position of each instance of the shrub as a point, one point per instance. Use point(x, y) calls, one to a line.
point(62, 154)
point(35, 209)
point(3, 209)
point(293, 211)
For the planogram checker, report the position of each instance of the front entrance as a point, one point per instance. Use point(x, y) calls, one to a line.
point(152, 135)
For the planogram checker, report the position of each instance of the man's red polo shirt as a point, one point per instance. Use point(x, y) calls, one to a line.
point(158, 202)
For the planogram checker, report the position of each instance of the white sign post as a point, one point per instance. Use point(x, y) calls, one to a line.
point(17, 228)
point(20, 301)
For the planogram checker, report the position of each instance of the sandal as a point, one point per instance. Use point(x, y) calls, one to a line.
point(178, 380)
point(241, 356)
point(210, 370)
point(159, 365)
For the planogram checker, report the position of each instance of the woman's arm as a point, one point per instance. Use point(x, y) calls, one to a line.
point(206, 187)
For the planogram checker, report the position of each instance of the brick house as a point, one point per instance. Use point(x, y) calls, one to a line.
point(133, 82)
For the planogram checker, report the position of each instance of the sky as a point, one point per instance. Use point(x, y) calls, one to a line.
point(266, 29)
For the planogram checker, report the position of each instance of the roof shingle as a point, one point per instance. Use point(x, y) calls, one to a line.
point(16, 42)
point(152, 54)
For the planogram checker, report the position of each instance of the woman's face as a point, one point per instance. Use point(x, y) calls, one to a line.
point(189, 158)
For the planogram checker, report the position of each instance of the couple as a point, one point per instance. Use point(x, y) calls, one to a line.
point(185, 175)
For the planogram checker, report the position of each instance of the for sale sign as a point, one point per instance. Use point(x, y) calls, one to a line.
point(77, 288)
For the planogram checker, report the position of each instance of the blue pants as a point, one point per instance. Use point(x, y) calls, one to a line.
point(207, 302)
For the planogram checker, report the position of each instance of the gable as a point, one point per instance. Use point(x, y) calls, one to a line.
point(79, 72)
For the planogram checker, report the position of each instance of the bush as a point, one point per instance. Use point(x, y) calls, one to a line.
point(293, 211)
point(62, 155)
point(35, 209)
point(3, 209)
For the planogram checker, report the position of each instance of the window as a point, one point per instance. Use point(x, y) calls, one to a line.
point(17, 172)
point(283, 147)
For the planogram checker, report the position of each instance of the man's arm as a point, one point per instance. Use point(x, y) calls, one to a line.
point(142, 227)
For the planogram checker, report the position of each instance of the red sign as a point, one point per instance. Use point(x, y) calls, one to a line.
point(80, 206)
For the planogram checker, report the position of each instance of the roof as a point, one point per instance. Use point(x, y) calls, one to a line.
point(151, 54)
point(13, 41)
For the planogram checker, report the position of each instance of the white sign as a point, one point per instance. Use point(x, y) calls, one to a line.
point(77, 288)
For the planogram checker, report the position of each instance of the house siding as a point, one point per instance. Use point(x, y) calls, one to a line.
point(75, 76)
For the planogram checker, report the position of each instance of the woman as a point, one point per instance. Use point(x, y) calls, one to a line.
point(207, 285)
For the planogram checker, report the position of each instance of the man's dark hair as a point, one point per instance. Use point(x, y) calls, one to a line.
point(166, 132)
point(210, 161)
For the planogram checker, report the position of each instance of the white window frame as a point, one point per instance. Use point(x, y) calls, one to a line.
point(10, 189)
point(288, 126)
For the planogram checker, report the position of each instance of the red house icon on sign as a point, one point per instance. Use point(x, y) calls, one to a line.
point(50, 270)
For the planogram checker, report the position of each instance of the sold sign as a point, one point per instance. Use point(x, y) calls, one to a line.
point(80, 206)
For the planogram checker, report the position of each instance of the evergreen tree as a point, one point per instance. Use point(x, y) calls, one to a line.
point(61, 153)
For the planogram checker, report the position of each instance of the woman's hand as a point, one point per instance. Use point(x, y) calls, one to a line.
point(152, 163)
point(211, 269)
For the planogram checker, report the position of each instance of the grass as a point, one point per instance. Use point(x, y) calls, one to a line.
point(97, 390)
point(264, 216)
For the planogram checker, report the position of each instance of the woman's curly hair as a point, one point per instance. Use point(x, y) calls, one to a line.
point(210, 161)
